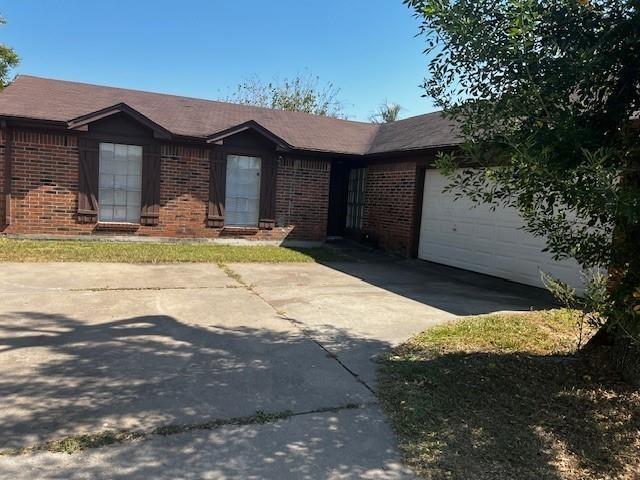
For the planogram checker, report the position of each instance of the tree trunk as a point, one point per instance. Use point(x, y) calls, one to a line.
point(622, 331)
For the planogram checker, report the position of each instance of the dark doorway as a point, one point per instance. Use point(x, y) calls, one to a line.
point(338, 191)
point(347, 187)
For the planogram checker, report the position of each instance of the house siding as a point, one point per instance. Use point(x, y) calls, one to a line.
point(45, 192)
point(390, 203)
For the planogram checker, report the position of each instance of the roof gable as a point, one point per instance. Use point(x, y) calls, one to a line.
point(251, 125)
point(82, 122)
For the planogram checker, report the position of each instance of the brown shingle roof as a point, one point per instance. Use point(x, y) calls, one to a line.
point(57, 100)
point(414, 133)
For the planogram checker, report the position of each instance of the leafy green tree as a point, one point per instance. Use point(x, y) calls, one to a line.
point(546, 94)
point(8, 60)
point(386, 113)
point(303, 93)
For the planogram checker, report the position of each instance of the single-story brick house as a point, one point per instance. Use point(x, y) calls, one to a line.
point(79, 159)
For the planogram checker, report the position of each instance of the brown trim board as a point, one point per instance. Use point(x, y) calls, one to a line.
point(8, 171)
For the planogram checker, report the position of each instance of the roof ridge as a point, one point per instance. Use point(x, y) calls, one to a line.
point(198, 99)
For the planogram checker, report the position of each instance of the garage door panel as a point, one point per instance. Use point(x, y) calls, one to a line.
point(503, 263)
point(484, 240)
point(525, 239)
point(507, 234)
point(445, 226)
point(460, 256)
point(486, 232)
point(484, 246)
point(528, 265)
point(541, 259)
point(463, 228)
point(481, 259)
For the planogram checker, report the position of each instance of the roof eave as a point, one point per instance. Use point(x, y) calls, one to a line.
point(412, 149)
point(76, 125)
point(21, 121)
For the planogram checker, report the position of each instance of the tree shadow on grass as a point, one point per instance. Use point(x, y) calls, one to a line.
point(483, 415)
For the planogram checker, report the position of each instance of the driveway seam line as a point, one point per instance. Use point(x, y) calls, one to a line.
point(119, 289)
point(307, 334)
point(238, 278)
point(77, 443)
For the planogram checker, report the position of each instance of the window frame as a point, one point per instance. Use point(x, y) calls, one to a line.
point(260, 155)
point(127, 142)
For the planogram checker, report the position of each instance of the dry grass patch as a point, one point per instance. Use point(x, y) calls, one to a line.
point(544, 332)
point(506, 396)
point(138, 252)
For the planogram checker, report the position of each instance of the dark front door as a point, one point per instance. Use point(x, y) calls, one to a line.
point(355, 201)
point(338, 192)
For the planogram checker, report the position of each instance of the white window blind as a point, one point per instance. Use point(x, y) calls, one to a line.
point(120, 182)
point(242, 193)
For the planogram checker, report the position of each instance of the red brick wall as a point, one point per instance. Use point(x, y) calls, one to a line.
point(390, 204)
point(184, 193)
point(45, 181)
point(302, 197)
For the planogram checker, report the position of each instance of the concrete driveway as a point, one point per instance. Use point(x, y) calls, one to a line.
point(90, 347)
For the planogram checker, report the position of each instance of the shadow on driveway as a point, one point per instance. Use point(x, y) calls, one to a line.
point(59, 375)
point(453, 290)
point(352, 444)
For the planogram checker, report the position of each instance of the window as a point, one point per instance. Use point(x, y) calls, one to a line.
point(120, 183)
point(355, 199)
point(242, 191)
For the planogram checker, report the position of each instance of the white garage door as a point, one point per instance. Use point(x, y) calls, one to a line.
point(481, 240)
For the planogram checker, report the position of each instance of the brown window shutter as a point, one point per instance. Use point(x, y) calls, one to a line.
point(269, 173)
point(8, 174)
point(217, 184)
point(150, 213)
point(89, 169)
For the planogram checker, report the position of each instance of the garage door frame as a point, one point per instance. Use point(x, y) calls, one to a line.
point(421, 173)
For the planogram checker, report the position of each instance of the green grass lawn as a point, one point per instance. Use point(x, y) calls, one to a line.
point(506, 396)
point(102, 251)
